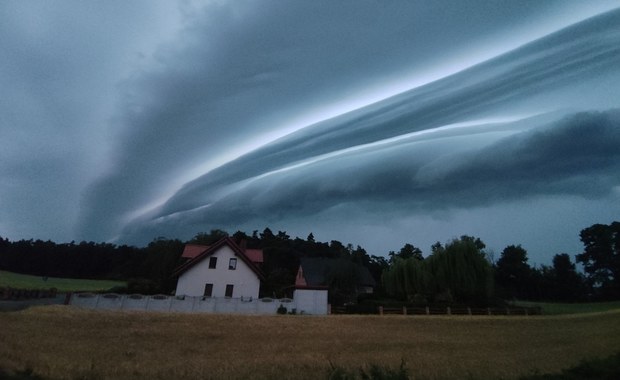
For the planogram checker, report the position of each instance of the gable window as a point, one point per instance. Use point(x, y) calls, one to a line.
point(232, 264)
point(229, 291)
point(208, 290)
point(212, 262)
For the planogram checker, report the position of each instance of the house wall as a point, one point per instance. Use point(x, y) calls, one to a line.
point(246, 283)
point(311, 301)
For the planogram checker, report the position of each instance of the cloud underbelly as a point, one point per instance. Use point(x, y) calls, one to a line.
point(537, 121)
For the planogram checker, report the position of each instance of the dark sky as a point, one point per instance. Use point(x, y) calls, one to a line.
point(371, 122)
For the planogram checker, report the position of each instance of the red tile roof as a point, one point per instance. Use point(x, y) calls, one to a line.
point(255, 255)
point(192, 250)
point(197, 253)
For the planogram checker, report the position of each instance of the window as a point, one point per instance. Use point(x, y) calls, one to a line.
point(229, 291)
point(208, 290)
point(212, 262)
point(232, 264)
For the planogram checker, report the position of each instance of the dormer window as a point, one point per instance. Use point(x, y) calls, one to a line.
point(232, 264)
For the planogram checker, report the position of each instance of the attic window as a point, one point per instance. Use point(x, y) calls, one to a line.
point(212, 262)
point(232, 264)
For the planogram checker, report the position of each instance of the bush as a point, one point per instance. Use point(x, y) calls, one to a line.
point(26, 374)
point(282, 309)
point(372, 372)
point(600, 369)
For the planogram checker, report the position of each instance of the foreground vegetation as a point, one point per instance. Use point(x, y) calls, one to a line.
point(60, 342)
point(23, 281)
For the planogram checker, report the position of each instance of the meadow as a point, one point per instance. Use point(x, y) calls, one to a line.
point(62, 342)
point(24, 281)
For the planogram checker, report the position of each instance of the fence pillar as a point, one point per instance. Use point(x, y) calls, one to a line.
point(380, 310)
point(404, 310)
point(488, 310)
point(448, 310)
point(428, 311)
point(468, 310)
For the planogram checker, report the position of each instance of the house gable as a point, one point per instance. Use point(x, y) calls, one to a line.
point(197, 253)
point(221, 269)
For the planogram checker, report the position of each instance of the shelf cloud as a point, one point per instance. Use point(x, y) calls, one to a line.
point(370, 122)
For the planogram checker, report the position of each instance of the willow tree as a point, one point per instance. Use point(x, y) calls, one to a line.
point(457, 272)
point(461, 270)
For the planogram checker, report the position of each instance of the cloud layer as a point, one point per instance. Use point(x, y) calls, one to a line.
point(406, 120)
point(438, 147)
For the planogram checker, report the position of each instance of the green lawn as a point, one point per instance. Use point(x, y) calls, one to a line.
point(23, 281)
point(571, 308)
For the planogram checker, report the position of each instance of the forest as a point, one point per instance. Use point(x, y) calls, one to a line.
point(459, 271)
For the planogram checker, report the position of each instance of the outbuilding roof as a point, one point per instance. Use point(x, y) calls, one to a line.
point(315, 272)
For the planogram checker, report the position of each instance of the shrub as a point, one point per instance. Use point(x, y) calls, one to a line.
point(26, 374)
point(372, 372)
point(600, 369)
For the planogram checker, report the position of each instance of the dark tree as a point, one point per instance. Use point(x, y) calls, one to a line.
point(163, 256)
point(601, 258)
point(567, 283)
point(406, 252)
point(208, 238)
point(513, 273)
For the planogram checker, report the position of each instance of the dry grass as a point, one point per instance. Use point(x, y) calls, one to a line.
point(66, 343)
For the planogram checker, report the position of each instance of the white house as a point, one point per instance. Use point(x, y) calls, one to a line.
point(223, 269)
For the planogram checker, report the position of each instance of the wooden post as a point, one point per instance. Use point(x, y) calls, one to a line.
point(428, 311)
point(404, 310)
point(488, 310)
point(380, 310)
point(448, 310)
point(468, 310)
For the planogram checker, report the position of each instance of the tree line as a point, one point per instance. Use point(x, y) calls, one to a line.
point(461, 270)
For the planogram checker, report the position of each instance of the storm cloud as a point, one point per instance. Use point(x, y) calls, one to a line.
point(413, 120)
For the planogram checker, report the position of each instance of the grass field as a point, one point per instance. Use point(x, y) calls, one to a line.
point(60, 342)
point(571, 308)
point(23, 281)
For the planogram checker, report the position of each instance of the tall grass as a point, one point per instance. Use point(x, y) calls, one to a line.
point(62, 342)
point(24, 281)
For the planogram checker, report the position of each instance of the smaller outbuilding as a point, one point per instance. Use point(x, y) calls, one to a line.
point(314, 276)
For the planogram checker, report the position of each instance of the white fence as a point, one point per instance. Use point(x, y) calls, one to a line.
point(186, 304)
